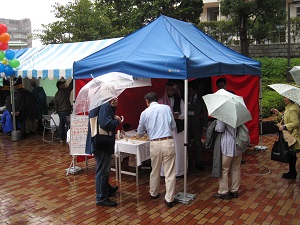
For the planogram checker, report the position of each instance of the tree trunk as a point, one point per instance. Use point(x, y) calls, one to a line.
point(244, 43)
point(244, 37)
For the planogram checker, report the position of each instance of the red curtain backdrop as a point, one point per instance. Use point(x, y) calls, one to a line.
point(247, 87)
point(132, 103)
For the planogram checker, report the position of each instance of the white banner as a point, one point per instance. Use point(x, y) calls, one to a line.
point(78, 134)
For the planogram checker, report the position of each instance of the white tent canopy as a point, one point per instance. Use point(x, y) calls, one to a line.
point(56, 60)
point(30, 52)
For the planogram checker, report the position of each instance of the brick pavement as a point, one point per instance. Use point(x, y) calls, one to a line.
point(34, 189)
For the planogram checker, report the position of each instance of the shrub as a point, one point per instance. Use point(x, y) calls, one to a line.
point(271, 99)
point(273, 71)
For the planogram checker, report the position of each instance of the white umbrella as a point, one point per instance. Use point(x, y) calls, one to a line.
point(227, 107)
point(295, 72)
point(289, 91)
point(100, 90)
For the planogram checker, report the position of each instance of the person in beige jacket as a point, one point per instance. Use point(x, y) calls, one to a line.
point(290, 121)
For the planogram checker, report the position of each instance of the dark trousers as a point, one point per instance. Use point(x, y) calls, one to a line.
point(292, 163)
point(62, 124)
point(195, 132)
point(21, 123)
point(103, 167)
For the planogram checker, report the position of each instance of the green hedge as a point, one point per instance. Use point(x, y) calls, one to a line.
point(274, 71)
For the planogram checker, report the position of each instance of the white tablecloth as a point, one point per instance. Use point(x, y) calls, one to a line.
point(141, 149)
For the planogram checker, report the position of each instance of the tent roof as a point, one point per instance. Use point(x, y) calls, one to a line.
point(24, 54)
point(167, 48)
point(56, 60)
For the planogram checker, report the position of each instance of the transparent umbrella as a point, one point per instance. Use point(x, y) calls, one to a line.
point(295, 72)
point(289, 91)
point(100, 90)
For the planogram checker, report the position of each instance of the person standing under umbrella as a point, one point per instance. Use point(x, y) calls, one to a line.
point(63, 106)
point(105, 118)
point(221, 83)
point(231, 162)
point(289, 120)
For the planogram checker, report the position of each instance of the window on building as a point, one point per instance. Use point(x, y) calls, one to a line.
point(212, 14)
point(298, 12)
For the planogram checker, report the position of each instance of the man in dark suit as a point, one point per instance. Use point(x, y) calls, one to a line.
point(197, 119)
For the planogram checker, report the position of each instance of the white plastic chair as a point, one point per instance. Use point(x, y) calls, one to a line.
point(49, 124)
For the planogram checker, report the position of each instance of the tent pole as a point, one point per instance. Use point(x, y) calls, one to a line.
point(184, 197)
point(74, 90)
point(260, 147)
point(12, 100)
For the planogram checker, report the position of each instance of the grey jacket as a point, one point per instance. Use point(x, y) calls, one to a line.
point(213, 140)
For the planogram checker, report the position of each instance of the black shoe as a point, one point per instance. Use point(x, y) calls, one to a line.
point(155, 197)
point(200, 167)
point(112, 190)
point(234, 194)
point(179, 177)
point(107, 202)
point(289, 175)
point(226, 196)
point(170, 204)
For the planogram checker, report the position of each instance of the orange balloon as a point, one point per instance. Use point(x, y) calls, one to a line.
point(4, 38)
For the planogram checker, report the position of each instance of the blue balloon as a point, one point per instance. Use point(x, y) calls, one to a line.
point(10, 54)
point(2, 67)
point(9, 71)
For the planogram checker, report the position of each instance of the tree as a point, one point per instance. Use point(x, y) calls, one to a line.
point(245, 13)
point(78, 21)
point(85, 20)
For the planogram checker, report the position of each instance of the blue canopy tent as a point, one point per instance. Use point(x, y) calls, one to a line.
point(170, 49)
point(167, 48)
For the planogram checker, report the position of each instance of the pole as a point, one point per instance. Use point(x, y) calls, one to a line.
point(12, 100)
point(288, 75)
point(184, 197)
point(260, 147)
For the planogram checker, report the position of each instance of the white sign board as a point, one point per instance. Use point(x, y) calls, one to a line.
point(78, 133)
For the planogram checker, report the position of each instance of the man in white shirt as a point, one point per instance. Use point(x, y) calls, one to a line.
point(158, 121)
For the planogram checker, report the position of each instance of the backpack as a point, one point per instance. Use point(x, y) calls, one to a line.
point(242, 137)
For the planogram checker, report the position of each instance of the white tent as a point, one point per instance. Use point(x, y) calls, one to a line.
point(56, 60)
point(26, 54)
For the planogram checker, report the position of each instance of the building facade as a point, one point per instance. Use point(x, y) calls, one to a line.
point(19, 31)
point(212, 12)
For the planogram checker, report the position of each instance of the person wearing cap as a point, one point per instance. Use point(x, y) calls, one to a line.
point(41, 100)
point(62, 106)
point(158, 121)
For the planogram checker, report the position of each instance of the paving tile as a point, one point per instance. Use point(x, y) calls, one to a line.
point(35, 190)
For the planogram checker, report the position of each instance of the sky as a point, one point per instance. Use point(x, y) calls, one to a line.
point(38, 11)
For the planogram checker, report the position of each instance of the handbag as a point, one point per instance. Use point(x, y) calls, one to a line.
point(280, 150)
point(289, 138)
point(103, 142)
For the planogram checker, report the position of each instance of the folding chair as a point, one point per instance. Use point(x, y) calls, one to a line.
point(49, 124)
